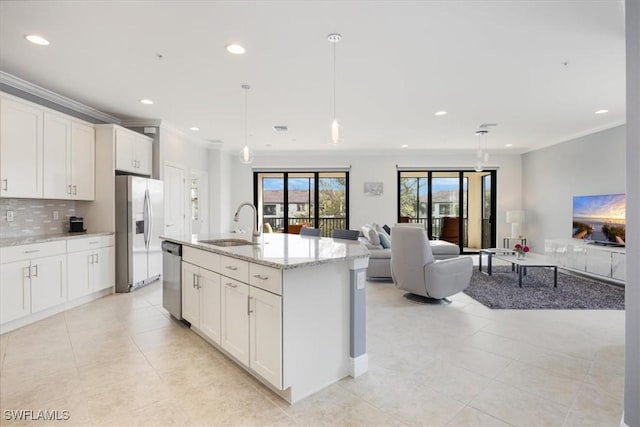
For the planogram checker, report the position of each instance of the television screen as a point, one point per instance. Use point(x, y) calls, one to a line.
point(600, 218)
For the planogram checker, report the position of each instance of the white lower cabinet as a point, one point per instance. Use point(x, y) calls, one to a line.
point(33, 279)
point(239, 316)
point(15, 291)
point(235, 319)
point(91, 265)
point(265, 335)
point(48, 282)
point(201, 300)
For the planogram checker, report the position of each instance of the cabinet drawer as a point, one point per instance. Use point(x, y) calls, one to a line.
point(87, 243)
point(204, 259)
point(234, 268)
point(267, 278)
point(35, 250)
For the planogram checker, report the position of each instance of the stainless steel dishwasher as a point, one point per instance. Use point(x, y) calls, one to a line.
point(172, 278)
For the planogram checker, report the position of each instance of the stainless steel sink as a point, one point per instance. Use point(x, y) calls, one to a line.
point(227, 242)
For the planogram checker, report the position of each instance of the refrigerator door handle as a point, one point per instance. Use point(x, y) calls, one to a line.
point(146, 219)
point(150, 217)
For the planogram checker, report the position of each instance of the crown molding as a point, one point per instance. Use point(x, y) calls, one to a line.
point(164, 125)
point(40, 92)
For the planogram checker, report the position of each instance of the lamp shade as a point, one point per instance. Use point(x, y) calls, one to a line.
point(515, 217)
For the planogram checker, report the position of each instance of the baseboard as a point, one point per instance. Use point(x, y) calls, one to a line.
point(358, 365)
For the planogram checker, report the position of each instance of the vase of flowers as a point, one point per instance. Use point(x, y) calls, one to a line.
point(520, 250)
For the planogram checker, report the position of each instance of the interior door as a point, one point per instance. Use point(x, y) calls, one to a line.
point(174, 186)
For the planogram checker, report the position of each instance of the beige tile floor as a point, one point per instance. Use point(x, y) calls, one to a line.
point(122, 361)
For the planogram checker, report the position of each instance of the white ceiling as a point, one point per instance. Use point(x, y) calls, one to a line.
point(398, 63)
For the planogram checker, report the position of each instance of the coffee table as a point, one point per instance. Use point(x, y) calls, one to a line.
point(531, 260)
point(489, 252)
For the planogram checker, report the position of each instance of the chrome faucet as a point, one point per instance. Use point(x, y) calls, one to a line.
point(236, 218)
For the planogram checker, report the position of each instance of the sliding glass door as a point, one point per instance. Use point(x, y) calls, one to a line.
point(456, 206)
point(287, 201)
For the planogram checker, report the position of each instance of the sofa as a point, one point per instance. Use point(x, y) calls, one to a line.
point(380, 257)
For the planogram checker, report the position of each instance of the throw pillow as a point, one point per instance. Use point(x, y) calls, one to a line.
point(385, 240)
point(364, 230)
point(373, 237)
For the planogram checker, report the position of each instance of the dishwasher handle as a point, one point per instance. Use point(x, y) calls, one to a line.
point(172, 248)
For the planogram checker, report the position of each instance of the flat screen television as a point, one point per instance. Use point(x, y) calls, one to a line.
point(600, 219)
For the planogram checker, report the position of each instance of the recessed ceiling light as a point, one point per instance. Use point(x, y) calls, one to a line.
point(36, 39)
point(194, 128)
point(602, 111)
point(404, 145)
point(146, 102)
point(508, 145)
point(235, 48)
point(440, 113)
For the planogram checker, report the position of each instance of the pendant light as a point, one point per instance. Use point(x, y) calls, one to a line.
point(334, 38)
point(481, 156)
point(246, 154)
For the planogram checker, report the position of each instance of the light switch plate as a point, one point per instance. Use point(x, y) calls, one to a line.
point(10, 216)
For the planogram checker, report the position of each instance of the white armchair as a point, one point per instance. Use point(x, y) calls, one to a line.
point(414, 269)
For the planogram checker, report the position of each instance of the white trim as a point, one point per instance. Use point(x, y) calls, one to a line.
point(303, 169)
point(359, 365)
point(465, 168)
point(40, 92)
point(162, 124)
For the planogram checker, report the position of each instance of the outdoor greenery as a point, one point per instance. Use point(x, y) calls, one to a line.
point(614, 230)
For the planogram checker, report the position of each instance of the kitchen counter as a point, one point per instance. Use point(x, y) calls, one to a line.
point(278, 250)
point(27, 240)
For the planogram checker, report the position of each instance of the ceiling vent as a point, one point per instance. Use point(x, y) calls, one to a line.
point(280, 128)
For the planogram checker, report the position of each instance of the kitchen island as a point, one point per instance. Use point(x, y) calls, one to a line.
point(289, 309)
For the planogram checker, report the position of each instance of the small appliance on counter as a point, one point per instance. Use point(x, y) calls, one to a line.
point(76, 224)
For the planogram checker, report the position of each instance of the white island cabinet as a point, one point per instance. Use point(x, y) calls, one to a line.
point(289, 309)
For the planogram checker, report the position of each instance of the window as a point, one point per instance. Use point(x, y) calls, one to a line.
point(464, 200)
point(316, 199)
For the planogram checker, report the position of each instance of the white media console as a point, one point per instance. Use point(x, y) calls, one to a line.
point(605, 262)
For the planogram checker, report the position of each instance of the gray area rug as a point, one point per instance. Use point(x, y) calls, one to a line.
point(501, 291)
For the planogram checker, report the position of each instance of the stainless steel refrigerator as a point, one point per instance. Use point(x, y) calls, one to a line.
point(139, 222)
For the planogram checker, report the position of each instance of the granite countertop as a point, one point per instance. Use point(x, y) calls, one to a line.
point(283, 251)
point(27, 240)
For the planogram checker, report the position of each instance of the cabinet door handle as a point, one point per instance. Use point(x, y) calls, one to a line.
point(5, 184)
point(261, 277)
point(27, 272)
point(196, 281)
point(231, 267)
point(97, 259)
point(232, 285)
point(95, 242)
point(249, 311)
point(32, 251)
point(69, 189)
point(75, 189)
point(90, 259)
point(36, 273)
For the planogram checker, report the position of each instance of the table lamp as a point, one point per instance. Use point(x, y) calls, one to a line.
point(515, 218)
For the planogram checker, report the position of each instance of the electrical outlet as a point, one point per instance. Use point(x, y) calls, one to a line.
point(56, 216)
point(10, 216)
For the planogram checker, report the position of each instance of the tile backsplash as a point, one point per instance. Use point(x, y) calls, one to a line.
point(32, 217)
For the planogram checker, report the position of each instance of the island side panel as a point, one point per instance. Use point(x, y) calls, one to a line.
point(316, 330)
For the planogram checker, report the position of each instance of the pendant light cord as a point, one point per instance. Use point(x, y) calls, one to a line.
point(334, 81)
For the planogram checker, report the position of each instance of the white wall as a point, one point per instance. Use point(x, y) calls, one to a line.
point(221, 186)
point(593, 164)
point(375, 168)
point(632, 295)
point(186, 151)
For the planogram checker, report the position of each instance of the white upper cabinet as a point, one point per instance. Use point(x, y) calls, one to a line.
point(45, 154)
point(21, 149)
point(69, 158)
point(133, 152)
point(83, 160)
